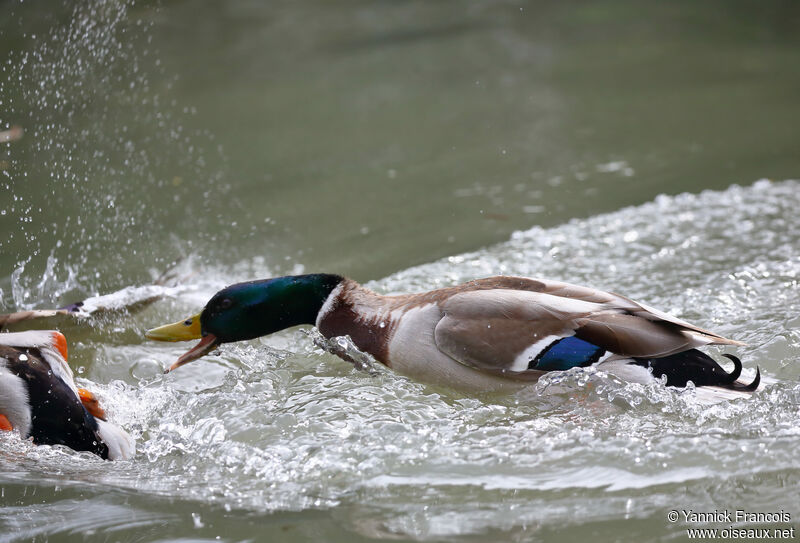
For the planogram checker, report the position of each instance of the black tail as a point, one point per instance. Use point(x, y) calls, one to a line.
point(700, 369)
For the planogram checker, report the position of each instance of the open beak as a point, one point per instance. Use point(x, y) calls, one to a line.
point(185, 330)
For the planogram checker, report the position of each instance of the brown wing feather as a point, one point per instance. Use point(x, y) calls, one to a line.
point(491, 344)
point(489, 329)
point(629, 335)
point(588, 294)
point(488, 323)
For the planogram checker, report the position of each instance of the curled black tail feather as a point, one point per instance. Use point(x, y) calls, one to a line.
point(737, 367)
point(737, 371)
point(700, 369)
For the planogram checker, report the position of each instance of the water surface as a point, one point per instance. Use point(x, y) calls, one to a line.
point(410, 145)
point(278, 438)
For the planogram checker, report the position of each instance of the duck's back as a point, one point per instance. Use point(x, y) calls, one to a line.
point(503, 332)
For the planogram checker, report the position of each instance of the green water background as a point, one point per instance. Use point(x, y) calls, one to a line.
point(362, 138)
point(367, 137)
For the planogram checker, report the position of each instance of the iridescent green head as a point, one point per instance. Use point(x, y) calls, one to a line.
point(250, 310)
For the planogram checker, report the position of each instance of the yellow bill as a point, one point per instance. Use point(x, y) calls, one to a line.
point(184, 330)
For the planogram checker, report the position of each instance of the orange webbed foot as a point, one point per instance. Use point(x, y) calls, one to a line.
point(5, 424)
point(91, 403)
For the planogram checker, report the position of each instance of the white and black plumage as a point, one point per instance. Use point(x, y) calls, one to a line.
point(497, 333)
point(39, 398)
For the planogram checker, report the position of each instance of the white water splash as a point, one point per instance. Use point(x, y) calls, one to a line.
point(279, 425)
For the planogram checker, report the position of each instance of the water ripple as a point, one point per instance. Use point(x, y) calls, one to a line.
point(280, 425)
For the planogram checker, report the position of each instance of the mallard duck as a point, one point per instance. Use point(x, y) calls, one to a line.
point(39, 398)
point(497, 333)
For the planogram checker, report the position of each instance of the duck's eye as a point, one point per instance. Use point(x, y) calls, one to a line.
point(225, 303)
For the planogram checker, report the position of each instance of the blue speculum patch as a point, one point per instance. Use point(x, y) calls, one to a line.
point(567, 353)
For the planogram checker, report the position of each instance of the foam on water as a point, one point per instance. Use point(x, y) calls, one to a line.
point(280, 425)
